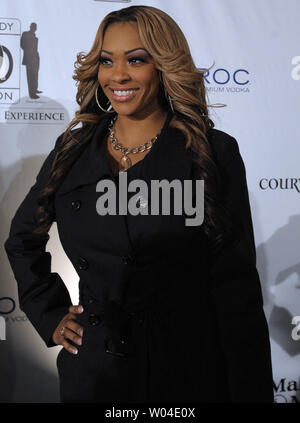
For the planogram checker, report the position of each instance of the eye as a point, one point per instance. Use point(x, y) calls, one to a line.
point(102, 60)
point(140, 59)
point(134, 60)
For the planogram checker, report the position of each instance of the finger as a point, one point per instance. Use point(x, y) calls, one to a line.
point(72, 336)
point(70, 348)
point(75, 327)
point(76, 309)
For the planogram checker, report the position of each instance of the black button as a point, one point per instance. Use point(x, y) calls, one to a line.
point(94, 319)
point(90, 301)
point(82, 263)
point(76, 204)
point(129, 259)
point(110, 348)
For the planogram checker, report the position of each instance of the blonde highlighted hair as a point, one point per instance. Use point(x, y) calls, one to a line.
point(166, 43)
point(180, 79)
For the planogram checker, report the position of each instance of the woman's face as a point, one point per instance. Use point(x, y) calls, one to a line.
point(125, 65)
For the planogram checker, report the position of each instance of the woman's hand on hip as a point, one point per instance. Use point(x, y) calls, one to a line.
point(69, 329)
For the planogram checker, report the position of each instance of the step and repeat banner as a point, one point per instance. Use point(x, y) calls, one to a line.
point(254, 47)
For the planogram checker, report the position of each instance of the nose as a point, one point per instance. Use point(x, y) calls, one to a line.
point(120, 73)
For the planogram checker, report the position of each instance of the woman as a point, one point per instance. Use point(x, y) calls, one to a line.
point(171, 312)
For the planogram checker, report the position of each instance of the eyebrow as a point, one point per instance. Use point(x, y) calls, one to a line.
point(126, 52)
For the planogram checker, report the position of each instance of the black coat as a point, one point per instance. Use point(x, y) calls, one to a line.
point(159, 323)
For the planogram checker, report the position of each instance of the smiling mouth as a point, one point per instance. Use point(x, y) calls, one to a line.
point(123, 95)
point(123, 91)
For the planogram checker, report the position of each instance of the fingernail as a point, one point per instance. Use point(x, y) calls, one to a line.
point(74, 351)
point(80, 309)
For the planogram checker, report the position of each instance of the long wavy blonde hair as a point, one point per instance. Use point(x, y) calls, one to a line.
point(180, 79)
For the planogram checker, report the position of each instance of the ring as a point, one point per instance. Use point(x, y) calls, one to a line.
point(62, 331)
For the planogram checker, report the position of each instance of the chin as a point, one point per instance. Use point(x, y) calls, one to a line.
point(125, 109)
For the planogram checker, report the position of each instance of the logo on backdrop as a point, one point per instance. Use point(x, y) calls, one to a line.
point(31, 59)
point(2, 329)
point(280, 183)
point(19, 55)
point(296, 330)
point(9, 60)
point(6, 64)
point(7, 308)
point(227, 80)
point(286, 391)
point(296, 69)
point(7, 305)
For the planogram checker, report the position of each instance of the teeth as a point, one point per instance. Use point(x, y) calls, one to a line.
point(124, 93)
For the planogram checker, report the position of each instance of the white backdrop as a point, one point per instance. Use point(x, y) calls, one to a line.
point(255, 45)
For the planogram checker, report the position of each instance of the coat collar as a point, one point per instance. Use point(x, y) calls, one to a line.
point(167, 159)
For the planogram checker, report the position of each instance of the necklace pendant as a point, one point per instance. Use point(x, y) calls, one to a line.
point(125, 162)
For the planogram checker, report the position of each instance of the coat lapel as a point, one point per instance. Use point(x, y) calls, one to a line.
point(91, 166)
point(167, 159)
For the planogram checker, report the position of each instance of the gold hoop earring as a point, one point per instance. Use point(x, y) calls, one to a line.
point(100, 107)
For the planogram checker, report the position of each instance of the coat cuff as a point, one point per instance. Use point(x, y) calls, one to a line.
point(51, 320)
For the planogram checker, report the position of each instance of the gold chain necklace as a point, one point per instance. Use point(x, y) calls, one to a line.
point(125, 161)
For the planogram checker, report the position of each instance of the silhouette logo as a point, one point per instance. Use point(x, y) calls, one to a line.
point(31, 59)
point(6, 64)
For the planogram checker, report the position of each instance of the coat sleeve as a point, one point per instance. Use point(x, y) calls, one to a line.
point(237, 295)
point(43, 295)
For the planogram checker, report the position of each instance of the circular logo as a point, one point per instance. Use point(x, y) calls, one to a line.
point(279, 398)
point(6, 64)
point(7, 304)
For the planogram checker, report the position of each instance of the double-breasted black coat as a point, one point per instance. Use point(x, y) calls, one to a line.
point(160, 323)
